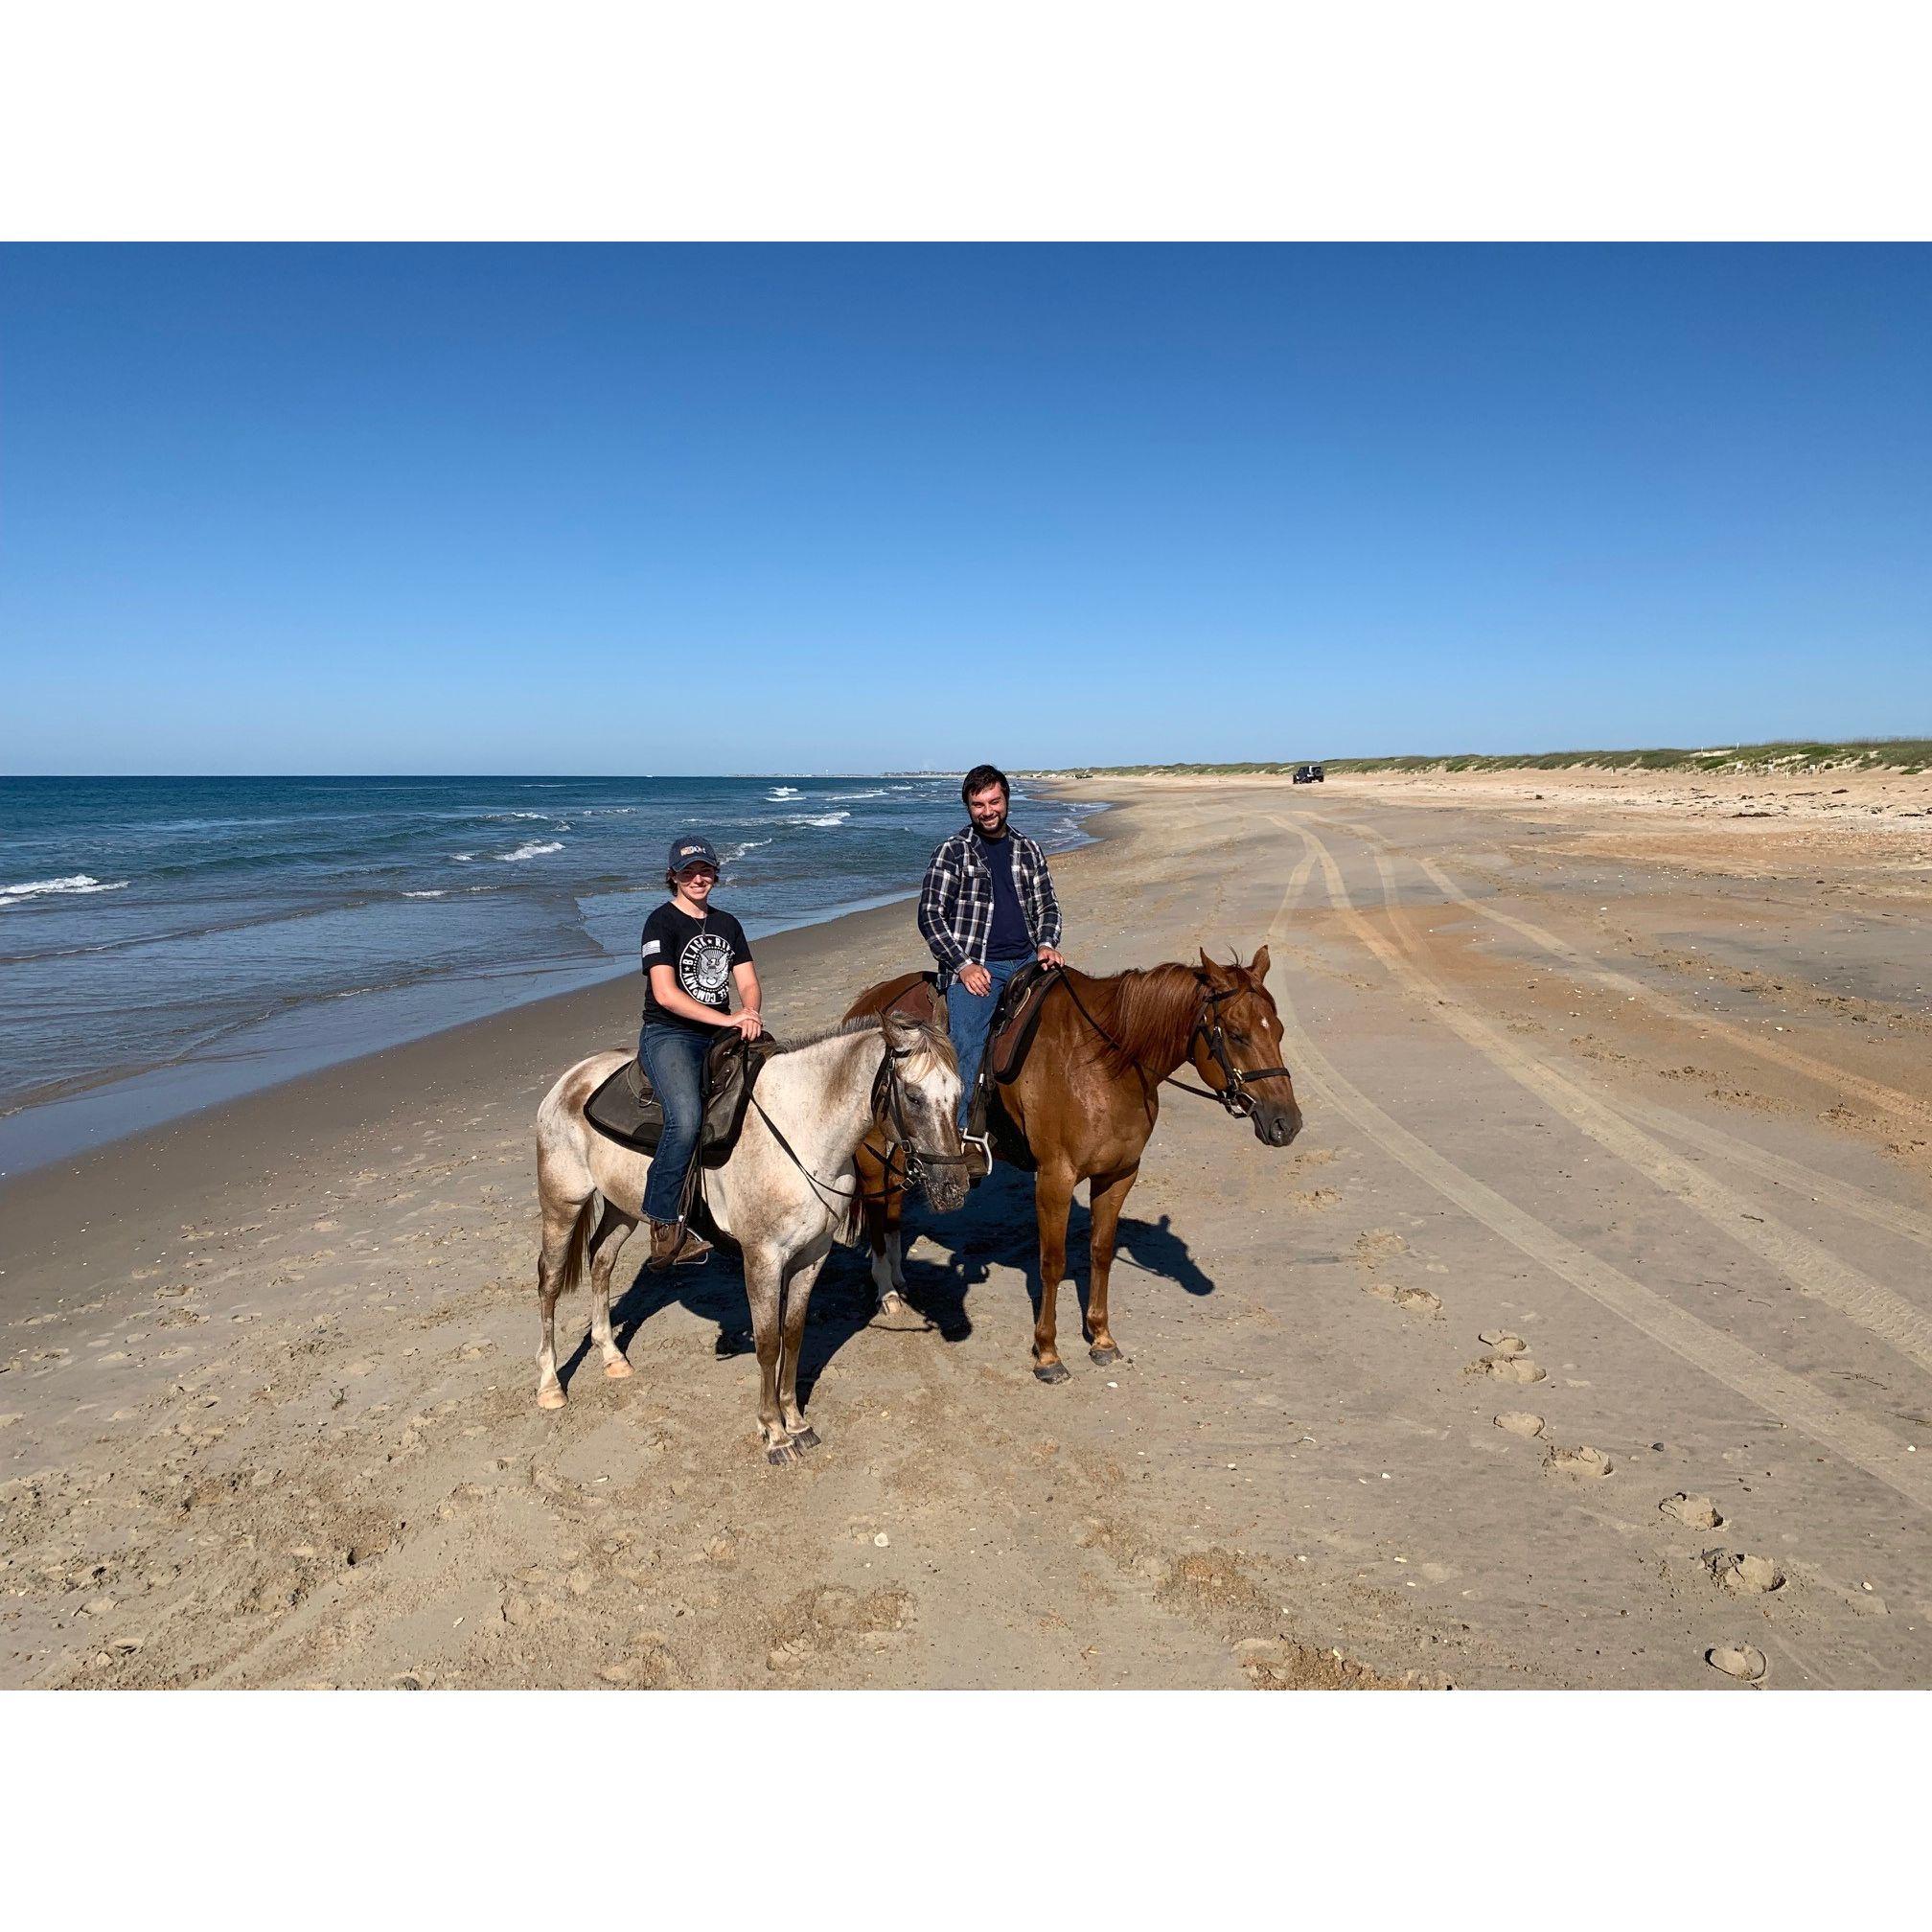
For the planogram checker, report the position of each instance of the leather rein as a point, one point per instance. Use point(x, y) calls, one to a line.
point(1235, 1096)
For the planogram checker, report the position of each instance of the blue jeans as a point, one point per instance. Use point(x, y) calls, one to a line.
point(968, 1018)
point(674, 1060)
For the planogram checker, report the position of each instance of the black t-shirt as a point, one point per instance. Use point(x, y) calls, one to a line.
point(1006, 939)
point(702, 953)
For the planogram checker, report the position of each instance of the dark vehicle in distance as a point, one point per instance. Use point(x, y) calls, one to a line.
point(1310, 774)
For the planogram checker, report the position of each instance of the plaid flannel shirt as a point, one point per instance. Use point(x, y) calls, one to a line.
point(956, 900)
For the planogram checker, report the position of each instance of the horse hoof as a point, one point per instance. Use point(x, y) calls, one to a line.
point(781, 1453)
point(805, 1439)
point(1051, 1371)
point(891, 1304)
point(552, 1397)
point(619, 1371)
point(1104, 1356)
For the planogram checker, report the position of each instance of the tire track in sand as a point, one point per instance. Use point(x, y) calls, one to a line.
point(1809, 1266)
point(1886, 1099)
point(1876, 1208)
point(1786, 1397)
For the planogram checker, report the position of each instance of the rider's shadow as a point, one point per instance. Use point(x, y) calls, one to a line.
point(998, 1227)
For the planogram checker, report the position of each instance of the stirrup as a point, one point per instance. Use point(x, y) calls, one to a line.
point(982, 1144)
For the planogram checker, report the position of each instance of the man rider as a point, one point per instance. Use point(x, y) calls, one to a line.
point(985, 909)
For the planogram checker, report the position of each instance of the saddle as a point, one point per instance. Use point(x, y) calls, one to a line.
point(626, 1109)
point(1016, 1020)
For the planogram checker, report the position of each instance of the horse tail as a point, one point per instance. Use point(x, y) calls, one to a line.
point(579, 1246)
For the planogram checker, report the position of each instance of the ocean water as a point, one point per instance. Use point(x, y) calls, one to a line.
point(165, 942)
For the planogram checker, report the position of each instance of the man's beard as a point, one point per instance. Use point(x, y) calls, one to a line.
point(995, 830)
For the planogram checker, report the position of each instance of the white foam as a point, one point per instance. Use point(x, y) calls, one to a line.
point(423, 895)
point(784, 792)
point(39, 888)
point(823, 818)
point(463, 858)
point(739, 851)
point(533, 850)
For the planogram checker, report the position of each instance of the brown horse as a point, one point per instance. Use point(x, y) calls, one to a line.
point(1084, 1102)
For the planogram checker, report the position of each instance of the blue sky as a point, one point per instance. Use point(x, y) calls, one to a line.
point(657, 509)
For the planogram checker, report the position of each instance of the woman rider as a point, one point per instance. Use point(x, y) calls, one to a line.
point(693, 954)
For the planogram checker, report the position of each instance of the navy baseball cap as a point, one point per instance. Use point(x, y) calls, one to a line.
point(690, 851)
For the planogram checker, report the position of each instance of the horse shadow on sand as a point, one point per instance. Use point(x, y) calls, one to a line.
point(946, 1257)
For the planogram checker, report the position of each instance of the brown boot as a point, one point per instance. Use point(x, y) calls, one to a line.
point(672, 1245)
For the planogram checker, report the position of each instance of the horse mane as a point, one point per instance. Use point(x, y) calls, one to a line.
point(1150, 1012)
point(873, 1023)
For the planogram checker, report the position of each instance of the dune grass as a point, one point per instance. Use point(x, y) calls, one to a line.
point(1852, 754)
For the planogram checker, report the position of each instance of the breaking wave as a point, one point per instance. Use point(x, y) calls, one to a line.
point(40, 888)
point(821, 818)
point(533, 850)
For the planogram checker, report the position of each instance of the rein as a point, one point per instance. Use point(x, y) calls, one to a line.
point(1235, 1096)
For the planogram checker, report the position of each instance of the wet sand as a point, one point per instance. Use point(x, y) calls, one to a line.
point(1614, 1188)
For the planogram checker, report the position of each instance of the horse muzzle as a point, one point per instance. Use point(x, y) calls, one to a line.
point(946, 1180)
point(1275, 1125)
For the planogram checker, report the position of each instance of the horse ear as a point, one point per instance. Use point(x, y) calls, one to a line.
point(1212, 969)
point(1257, 967)
point(901, 1028)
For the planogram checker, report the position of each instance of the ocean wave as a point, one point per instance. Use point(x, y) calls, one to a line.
point(463, 858)
point(785, 792)
point(748, 845)
point(423, 895)
point(821, 818)
point(533, 850)
point(40, 888)
point(879, 793)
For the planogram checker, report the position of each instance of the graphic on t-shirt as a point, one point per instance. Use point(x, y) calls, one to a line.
point(704, 968)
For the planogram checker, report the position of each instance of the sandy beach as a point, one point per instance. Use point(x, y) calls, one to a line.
point(1614, 1191)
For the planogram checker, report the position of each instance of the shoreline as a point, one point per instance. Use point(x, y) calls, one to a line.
point(264, 1055)
point(307, 1114)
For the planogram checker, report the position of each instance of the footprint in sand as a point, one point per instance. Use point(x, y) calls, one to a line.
point(1741, 1575)
point(1581, 1460)
point(1417, 1301)
point(1376, 1245)
point(1504, 1343)
point(1519, 1422)
point(1506, 1369)
point(1743, 1661)
point(1695, 1512)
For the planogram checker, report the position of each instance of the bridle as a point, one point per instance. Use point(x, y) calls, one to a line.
point(904, 1160)
point(1234, 1095)
point(902, 1156)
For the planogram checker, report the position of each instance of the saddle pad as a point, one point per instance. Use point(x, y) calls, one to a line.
point(625, 1110)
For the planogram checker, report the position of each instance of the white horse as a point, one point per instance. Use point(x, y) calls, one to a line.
point(783, 1203)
